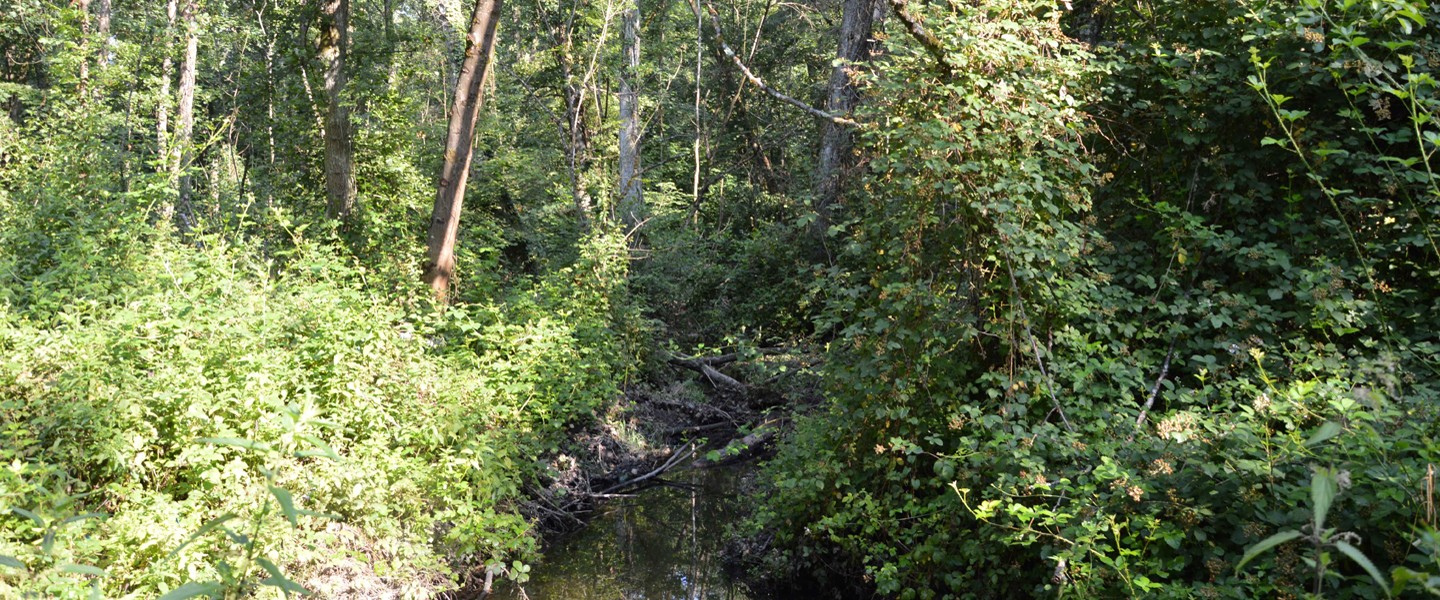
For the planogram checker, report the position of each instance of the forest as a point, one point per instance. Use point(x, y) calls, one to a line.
point(991, 298)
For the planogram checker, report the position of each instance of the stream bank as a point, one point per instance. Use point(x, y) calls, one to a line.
point(642, 509)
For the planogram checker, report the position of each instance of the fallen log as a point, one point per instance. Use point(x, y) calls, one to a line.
point(744, 447)
point(675, 459)
point(697, 428)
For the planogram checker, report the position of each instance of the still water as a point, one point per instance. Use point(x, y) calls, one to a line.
point(662, 544)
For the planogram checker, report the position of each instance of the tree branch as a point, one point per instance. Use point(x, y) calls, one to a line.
point(921, 34)
point(715, 23)
point(1155, 390)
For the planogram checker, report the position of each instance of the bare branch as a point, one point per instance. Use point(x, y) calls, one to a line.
point(715, 24)
point(1155, 391)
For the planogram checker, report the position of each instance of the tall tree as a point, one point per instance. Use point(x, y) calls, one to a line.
point(162, 109)
point(632, 203)
point(459, 138)
point(185, 114)
point(102, 27)
point(84, 8)
point(856, 46)
point(339, 151)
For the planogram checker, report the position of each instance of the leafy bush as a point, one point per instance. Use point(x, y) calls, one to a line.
point(220, 414)
point(1033, 396)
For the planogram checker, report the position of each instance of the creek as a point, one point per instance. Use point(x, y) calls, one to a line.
point(661, 543)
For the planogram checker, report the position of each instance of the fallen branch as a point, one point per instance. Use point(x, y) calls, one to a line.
point(715, 377)
point(738, 449)
point(697, 428)
point(688, 450)
point(694, 408)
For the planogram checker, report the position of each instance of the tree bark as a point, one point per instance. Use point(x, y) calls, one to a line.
point(576, 124)
point(445, 221)
point(163, 146)
point(185, 115)
point(856, 46)
point(84, 84)
point(102, 27)
point(339, 152)
point(632, 203)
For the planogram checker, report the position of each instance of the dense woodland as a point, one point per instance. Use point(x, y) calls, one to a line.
point(1092, 298)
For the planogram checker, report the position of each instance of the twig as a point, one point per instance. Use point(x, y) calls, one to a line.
point(1049, 381)
point(1155, 389)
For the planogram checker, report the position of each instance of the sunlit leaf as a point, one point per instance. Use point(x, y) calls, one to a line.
point(194, 589)
point(1360, 559)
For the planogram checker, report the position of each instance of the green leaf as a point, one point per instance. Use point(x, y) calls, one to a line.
point(278, 579)
point(1360, 559)
point(40, 521)
point(237, 442)
point(209, 526)
point(77, 518)
point(82, 569)
point(1266, 544)
point(194, 590)
point(12, 562)
point(287, 504)
point(1323, 488)
point(320, 448)
point(1329, 430)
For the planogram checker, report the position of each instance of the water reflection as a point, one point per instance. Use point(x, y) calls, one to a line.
point(663, 544)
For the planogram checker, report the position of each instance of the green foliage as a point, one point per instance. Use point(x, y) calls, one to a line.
point(1108, 369)
point(237, 414)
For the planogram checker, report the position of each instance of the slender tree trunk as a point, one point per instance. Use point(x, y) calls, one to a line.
point(392, 63)
point(339, 152)
point(855, 48)
point(84, 75)
point(575, 126)
point(164, 148)
point(699, 54)
point(102, 27)
point(762, 167)
point(459, 137)
point(270, 42)
point(185, 115)
point(632, 203)
point(578, 151)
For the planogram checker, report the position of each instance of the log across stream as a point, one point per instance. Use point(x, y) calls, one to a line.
point(661, 543)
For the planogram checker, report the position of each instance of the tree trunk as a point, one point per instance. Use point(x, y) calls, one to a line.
point(185, 114)
point(856, 46)
point(577, 151)
point(459, 137)
point(576, 126)
point(102, 27)
point(163, 146)
point(632, 204)
point(339, 153)
point(84, 75)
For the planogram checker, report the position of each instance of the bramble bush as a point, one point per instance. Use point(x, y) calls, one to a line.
point(225, 415)
point(1104, 315)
